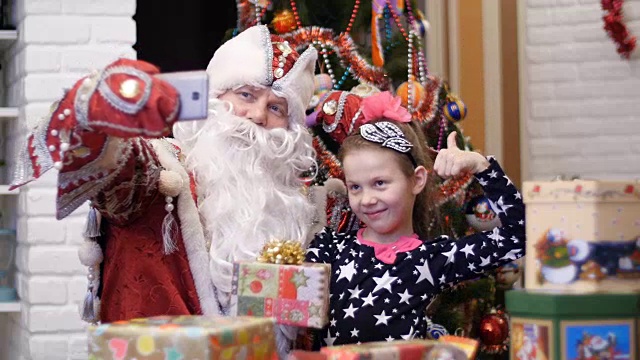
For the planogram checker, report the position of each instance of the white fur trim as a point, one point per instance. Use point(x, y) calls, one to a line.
point(318, 196)
point(240, 61)
point(297, 85)
point(335, 187)
point(171, 183)
point(246, 59)
point(192, 231)
point(90, 253)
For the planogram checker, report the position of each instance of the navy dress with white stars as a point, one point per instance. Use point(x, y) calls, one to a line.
point(375, 301)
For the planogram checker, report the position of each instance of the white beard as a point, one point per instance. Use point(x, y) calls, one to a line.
point(248, 186)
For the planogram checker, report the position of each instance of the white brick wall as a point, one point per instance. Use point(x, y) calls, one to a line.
point(583, 101)
point(59, 41)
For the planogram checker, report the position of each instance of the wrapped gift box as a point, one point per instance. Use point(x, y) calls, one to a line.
point(399, 349)
point(292, 294)
point(184, 337)
point(552, 324)
point(583, 235)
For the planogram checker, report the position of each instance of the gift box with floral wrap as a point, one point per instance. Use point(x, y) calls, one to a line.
point(292, 294)
point(184, 337)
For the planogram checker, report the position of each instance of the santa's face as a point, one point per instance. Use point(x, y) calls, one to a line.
point(260, 105)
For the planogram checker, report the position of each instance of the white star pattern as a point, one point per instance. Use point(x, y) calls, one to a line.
point(450, 255)
point(502, 206)
point(410, 335)
point(442, 279)
point(329, 340)
point(495, 235)
point(468, 250)
point(405, 296)
point(485, 261)
point(314, 251)
point(384, 282)
point(508, 180)
point(425, 273)
point(350, 311)
point(493, 174)
point(355, 293)
point(347, 271)
point(369, 299)
point(482, 182)
point(382, 318)
point(471, 266)
point(340, 247)
point(354, 332)
point(511, 255)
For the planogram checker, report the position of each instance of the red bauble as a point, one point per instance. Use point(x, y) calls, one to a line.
point(255, 286)
point(494, 332)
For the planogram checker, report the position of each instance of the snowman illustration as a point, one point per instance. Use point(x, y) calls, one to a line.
point(556, 262)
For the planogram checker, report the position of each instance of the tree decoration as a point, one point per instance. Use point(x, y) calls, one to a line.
point(616, 28)
point(284, 22)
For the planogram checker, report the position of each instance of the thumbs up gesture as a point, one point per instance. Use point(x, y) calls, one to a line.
point(452, 161)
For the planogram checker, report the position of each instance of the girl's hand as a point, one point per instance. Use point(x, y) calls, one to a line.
point(452, 161)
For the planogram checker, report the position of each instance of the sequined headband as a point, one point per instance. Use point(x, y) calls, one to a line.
point(388, 135)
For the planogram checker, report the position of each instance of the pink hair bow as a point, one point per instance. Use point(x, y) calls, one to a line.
point(384, 105)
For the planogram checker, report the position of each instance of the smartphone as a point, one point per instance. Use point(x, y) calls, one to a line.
point(193, 88)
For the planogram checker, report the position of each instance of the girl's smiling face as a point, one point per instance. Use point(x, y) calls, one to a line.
point(380, 194)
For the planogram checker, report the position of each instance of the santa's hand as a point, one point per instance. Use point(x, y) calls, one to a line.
point(123, 100)
point(452, 161)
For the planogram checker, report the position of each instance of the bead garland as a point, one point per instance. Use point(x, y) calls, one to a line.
point(396, 17)
point(410, 74)
point(354, 13)
point(421, 61)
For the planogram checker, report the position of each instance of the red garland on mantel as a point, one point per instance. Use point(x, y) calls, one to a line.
point(615, 27)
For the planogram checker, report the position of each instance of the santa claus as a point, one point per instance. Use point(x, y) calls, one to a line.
point(169, 216)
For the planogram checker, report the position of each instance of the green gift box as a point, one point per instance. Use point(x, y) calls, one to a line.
point(555, 324)
point(184, 337)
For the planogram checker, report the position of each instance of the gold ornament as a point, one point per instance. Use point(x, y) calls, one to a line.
point(129, 89)
point(284, 21)
point(417, 90)
point(285, 252)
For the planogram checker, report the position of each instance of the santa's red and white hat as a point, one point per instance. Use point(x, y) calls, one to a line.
point(255, 57)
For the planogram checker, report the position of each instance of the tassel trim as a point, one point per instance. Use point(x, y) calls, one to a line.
point(92, 227)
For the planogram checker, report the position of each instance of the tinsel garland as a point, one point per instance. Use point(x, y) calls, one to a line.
point(616, 29)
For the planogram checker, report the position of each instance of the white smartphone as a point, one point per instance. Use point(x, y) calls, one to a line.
point(193, 88)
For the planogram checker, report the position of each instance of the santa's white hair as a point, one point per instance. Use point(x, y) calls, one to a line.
point(248, 186)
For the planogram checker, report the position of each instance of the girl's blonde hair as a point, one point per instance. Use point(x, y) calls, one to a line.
point(424, 210)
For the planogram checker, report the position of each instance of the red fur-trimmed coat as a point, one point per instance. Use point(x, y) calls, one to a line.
point(92, 137)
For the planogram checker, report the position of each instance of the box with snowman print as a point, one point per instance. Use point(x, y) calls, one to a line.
point(583, 235)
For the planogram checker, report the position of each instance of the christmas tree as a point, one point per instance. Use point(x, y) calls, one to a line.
point(371, 45)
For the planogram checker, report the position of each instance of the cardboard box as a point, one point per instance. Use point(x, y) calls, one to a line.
point(583, 235)
point(551, 324)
